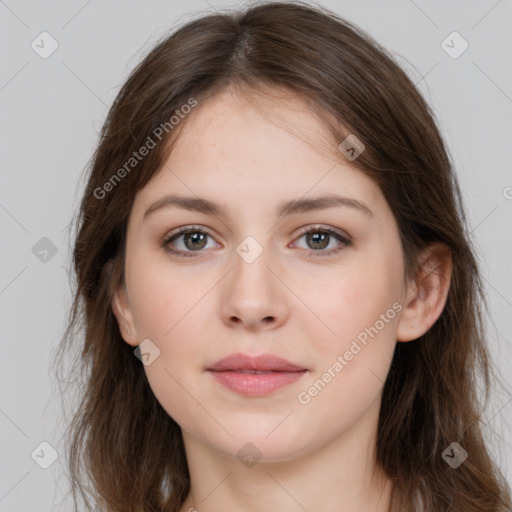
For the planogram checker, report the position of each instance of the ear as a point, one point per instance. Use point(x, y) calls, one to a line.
point(123, 314)
point(426, 295)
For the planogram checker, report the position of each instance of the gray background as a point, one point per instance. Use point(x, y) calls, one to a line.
point(52, 110)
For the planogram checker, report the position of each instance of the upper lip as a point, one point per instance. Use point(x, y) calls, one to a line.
point(264, 362)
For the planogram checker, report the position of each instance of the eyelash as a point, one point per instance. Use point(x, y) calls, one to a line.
point(304, 231)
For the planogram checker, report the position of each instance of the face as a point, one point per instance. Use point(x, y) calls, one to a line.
point(321, 288)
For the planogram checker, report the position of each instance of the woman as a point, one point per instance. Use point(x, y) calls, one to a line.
point(280, 298)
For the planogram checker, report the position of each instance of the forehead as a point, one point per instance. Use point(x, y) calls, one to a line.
point(261, 113)
point(256, 150)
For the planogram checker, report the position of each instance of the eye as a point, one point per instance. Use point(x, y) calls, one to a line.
point(195, 239)
point(318, 238)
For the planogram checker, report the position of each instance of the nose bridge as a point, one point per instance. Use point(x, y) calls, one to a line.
point(253, 294)
point(251, 261)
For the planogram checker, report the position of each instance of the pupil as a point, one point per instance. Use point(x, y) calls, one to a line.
point(195, 237)
point(316, 237)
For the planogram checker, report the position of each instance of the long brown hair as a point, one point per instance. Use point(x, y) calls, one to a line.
point(125, 452)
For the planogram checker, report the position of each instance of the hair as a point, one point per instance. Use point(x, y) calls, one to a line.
point(125, 452)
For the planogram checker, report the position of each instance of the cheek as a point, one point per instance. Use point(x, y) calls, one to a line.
point(344, 307)
point(169, 309)
point(353, 364)
point(174, 374)
point(362, 310)
point(163, 295)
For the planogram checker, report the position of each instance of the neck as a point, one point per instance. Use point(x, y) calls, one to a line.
point(339, 475)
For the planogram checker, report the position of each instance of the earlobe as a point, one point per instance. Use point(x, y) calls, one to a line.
point(426, 296)
point(124, 317)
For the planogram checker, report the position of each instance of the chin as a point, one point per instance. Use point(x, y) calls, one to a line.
point(265, 443)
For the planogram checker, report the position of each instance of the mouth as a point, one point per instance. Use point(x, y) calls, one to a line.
point(255, 376)
point(262, 363)
point(254, 372)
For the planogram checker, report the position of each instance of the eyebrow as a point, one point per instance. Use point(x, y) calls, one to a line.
point(290, 207)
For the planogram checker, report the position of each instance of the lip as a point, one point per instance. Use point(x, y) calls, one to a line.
point(235, 373)
point(263, 362)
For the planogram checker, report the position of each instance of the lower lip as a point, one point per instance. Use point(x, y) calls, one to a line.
point(253, 384)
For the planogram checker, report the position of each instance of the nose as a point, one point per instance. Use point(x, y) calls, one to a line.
point(254, 297)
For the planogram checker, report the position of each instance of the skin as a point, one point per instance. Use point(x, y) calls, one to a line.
point(289, 302)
